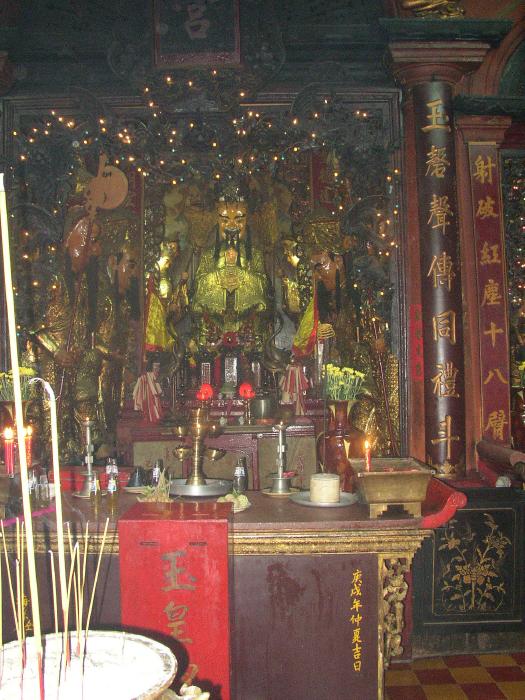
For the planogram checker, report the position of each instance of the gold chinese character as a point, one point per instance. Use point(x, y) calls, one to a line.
point(483, 170)
point(496, 422)
point(445, 435)
point(357, 576)
point(357, 636)
point(172, 573)
point(357, 665)
point(493, 332)
point(357, 651)
point(356, 619)
point(492, 373)
point(437, 117)
point(445, 380)
point(444, 325)
point(491, 295)
point(437, 162)
point(356, 604)
point(356, 589)
point(490, 254)
point(439, 211)
point(486, 208)
point(176, 615)
point(441, 270)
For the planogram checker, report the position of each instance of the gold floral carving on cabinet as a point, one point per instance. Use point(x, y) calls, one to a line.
point(395, 589)
point(472, 579)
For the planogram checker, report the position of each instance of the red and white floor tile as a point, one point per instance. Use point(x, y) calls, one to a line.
point(473, 677)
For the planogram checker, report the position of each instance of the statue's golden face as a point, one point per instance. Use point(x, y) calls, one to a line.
point(232, 221)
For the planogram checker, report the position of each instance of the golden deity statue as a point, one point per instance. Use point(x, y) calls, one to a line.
point(230, 287)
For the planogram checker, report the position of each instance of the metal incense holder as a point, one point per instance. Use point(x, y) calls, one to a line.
point(198, 484)
point(281, 484)
point(84, 492)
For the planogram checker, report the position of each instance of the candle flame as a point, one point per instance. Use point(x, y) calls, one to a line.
point(9, 434)
point(367, 445)
point(29, 431)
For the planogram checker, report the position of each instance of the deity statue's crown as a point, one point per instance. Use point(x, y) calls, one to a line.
point(231, 192)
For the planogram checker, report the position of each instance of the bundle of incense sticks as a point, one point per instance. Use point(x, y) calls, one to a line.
point(24, 546)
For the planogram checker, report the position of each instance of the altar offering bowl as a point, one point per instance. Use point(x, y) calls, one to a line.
point(406, 488)
point(213, 454)
point(182, 453)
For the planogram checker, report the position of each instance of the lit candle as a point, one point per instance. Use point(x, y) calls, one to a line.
point(29, 445)
point(9, 451)
point(368, 459)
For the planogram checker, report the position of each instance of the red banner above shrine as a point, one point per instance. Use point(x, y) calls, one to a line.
point(492, 292)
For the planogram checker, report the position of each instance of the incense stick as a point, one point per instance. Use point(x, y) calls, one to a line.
point(58, 488)
point(13, 348)
point(83, 582)
point(54, 589)
point(10, 581)
point(96, 578)
point(68, 595)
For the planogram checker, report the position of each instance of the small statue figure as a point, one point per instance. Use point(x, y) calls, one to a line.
point(147, 394)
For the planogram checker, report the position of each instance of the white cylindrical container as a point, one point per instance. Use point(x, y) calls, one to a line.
point(325, 488)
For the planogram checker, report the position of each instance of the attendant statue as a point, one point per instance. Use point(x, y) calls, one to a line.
point(231, 287)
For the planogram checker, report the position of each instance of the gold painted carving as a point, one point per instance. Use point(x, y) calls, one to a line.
point(437, 117)
point(434, 8)
point(483, 170)
point(440, 210)
point(445, 380)
point(472, 579)
point(445, 435)
point(437, 162)
point(442, 270)
point(444, 326)
point(392, 611)
point(496, 422)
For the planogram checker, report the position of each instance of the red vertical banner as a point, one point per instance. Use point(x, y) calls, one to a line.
point(174, 581)
point(492, 292)
point(440, 261)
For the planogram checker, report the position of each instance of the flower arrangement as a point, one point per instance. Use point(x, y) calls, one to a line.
point(342, 383)
point(6, 384)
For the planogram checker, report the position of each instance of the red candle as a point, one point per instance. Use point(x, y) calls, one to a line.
point(368, 458)
point(29, 445)
point(9, 451)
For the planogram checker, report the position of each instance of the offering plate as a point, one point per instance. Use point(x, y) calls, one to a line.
point(393, 481)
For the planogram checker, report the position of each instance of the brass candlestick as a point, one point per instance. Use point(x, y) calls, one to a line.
point(84, 492)
point(197, 483)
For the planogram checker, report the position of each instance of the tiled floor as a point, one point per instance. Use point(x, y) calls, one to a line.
point(480, 677)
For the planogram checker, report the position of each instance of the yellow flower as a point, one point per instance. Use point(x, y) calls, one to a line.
point(27, 372)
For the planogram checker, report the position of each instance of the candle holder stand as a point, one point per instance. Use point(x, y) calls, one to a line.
point(197, 483)
point(281, 484)
point(85, 491)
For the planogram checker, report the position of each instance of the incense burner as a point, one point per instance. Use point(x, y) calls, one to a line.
point(393, 481)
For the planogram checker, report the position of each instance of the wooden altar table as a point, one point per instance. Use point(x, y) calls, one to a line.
point(305, 584)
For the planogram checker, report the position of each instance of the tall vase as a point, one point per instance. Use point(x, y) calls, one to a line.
point(341, 441)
